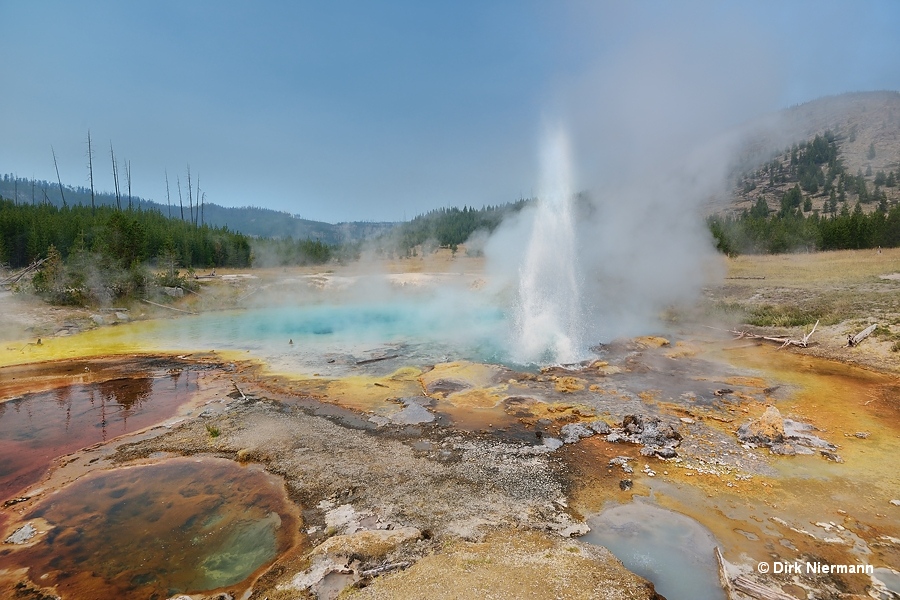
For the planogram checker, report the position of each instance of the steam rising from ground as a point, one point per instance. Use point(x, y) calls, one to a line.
point(656, 126)
point(593, 266)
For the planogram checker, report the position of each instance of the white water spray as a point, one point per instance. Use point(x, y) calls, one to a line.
point(548, 323)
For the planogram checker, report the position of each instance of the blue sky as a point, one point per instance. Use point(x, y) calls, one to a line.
point(382, 110)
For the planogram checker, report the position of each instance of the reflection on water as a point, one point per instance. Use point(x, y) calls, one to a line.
point(673, 551)
point(36, 428)
point(152, 531)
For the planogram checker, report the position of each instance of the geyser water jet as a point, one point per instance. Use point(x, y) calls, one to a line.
point(548, 317)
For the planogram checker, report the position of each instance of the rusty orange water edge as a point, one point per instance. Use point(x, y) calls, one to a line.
point(841, 401)
point(839, 513)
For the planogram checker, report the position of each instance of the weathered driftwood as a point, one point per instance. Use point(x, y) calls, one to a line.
point(170, 307)
point(374, 360)
point(21, 273)
point(853, 340)
point(384, 569)
point(239, 391)
point(723, 575)
point(745, 585)
point(784, 341)
point(248, 294)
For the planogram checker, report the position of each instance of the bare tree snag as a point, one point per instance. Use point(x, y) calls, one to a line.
point(115, 170)
point(128, 177)
point(180, 200)
point(168, 198)
point(58, 180)
point(190, 194)
point(91, 170)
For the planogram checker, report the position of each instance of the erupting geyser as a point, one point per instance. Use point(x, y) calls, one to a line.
point(548, 320)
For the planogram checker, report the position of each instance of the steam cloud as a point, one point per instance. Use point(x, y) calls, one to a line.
point(654, 136)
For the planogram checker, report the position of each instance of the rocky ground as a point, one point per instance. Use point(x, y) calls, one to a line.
point(460, 480)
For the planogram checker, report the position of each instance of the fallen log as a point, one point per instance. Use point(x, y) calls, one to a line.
point(379, 359)
point(384, 569)
point(784, 341)
point(853, 340)
point(724, 581)
point(20, 274)
point(170, 307)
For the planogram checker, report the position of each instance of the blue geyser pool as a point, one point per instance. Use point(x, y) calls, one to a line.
point(327, 337)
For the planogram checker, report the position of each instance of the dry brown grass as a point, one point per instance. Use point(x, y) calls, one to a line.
point(841, 267)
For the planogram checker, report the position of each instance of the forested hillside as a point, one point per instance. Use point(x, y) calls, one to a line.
point(444, 227)
point(837, 189)
point(123, 236)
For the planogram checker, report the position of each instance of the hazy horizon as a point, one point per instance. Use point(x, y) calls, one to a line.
point(360, 112)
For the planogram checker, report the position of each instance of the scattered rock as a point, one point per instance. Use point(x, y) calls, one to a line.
point(599, 426)
point(831, 456)
point(625, 485)
point(174, 292)
point(862, 434)
point(552, 443)
point(22, 534)
point(633, 424)
point(895, 502)
point(784, 436)
point(567, 385)
point(575, 431)
point(622, 461)
point(658, 438)
point(766, 430)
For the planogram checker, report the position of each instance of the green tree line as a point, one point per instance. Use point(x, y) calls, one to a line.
point(445, 228)
point(752, 233)
point(125, 237)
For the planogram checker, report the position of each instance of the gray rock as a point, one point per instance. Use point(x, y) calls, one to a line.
point(599, 426)
point(553, 443)
point(633, 424)
point(22, 534)
point(575, 431)
point(831, 456)
point(658, 434)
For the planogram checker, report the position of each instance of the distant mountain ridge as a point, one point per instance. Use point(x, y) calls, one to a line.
point(249, 220)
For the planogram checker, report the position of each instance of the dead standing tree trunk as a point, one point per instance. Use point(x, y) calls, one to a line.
point(58, 179)
point(91, 170)
point(128, 177)
point(115, 170)
point(180, 199)
point(190, 194)
point(168, 198)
